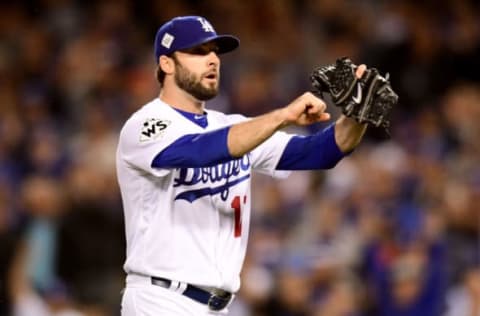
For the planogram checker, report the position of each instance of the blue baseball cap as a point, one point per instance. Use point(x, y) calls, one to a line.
point(189, 31)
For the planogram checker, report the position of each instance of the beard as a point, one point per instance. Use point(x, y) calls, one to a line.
point(190, 83)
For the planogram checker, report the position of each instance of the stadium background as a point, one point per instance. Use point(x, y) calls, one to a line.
point(392, 230)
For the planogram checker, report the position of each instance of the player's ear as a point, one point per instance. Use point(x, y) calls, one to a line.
point(166, 64)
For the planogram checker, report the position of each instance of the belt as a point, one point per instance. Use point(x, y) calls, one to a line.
point(216, 300)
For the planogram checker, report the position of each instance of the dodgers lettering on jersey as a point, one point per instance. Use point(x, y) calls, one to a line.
point(218, 179)
point(187, 224)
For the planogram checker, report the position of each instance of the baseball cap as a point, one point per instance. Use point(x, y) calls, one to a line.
point(189, 31)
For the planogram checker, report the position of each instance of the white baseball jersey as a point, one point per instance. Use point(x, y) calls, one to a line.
point(187, 224)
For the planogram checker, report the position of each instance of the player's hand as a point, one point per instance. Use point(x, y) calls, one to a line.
point(308, 109)
point(305, 110)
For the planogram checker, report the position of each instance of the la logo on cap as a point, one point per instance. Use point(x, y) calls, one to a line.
point(207, 27)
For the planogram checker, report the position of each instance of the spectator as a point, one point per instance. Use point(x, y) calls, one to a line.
point(464, 299)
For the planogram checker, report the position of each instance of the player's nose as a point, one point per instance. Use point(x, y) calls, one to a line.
point(213, 59)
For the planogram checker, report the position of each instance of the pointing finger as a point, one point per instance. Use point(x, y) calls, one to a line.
point(360, 71)
point(324, 117)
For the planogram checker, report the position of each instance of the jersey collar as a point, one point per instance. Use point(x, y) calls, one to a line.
point(199, 119)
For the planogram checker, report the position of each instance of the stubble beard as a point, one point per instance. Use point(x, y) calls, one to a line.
point(191, 84)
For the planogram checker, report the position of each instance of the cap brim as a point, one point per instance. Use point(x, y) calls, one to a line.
point(226, 43)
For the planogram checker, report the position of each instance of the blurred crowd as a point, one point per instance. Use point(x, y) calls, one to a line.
point(392, 230)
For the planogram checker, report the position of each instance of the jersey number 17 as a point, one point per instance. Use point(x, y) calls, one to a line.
point(236, 205)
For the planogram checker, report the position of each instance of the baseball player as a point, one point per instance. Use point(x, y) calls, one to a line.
point(184, 172)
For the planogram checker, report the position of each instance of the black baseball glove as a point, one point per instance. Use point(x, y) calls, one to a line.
point(367, 100)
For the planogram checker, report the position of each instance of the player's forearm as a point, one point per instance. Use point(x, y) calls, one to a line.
point(313, 152)
point(348, 133)
point(244, 137)
point(304, 110)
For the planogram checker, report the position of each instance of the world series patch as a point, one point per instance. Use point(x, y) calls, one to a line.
point(152, 128)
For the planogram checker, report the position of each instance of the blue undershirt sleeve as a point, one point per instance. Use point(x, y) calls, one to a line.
point(195, 150)
point(317, 151)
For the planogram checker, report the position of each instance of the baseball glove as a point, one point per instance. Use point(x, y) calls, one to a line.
point(367, 100)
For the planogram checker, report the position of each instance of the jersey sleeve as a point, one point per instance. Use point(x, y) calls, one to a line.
point(142, 138)
point(266, 156)
point(313, 152)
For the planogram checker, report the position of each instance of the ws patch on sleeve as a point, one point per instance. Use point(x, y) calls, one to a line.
point(152, 128)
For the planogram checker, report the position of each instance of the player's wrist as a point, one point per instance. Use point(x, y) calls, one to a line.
point(282, 118)
point(345, 120)
point(348, 133)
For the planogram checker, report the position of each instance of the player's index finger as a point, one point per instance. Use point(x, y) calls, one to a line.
point(360, 70)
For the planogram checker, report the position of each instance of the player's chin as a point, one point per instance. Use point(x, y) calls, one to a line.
point(211, 87)
point(206, 93)
point(210, 83)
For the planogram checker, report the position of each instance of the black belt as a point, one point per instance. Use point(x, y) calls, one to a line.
point(216, 300)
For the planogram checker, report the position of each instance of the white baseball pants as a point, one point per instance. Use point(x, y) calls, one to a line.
point(141, 298)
